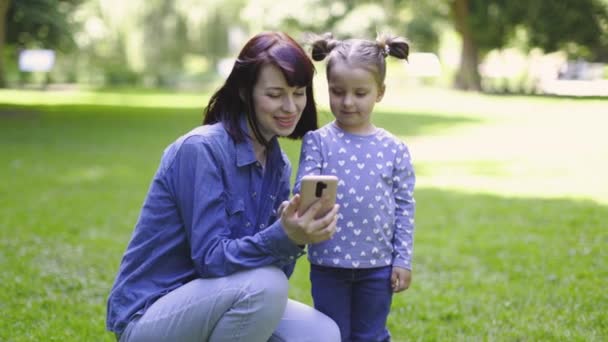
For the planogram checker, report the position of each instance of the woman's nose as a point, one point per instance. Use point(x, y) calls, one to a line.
point(289, 105)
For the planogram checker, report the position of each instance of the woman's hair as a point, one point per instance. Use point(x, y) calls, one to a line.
point(235, 98)
point(367, 54)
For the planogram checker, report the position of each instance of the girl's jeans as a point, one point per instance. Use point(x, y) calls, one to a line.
point(246, 306)
point(358, 300)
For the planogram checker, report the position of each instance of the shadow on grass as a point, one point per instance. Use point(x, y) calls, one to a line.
point(409, 124)
point(83, 125)
point(548, 96)
point(412, 124)
point(111, 119)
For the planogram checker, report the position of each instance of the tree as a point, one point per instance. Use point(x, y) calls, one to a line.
point(4, 5)
point(580, 27)
point(165, 41)
point(35, 23)
point(550, 25)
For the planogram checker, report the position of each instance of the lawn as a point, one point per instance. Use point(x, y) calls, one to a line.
point(511, 223)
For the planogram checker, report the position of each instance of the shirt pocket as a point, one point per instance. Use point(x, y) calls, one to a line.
point(235, 210)
point(274, 210)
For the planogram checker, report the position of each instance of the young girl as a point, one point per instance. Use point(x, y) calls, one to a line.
point(355, 273)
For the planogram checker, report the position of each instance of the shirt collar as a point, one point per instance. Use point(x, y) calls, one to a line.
point(246, 156)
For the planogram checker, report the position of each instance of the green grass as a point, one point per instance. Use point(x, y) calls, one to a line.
point(511, 224)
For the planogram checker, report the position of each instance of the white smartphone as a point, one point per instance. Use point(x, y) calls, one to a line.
point(313, 187)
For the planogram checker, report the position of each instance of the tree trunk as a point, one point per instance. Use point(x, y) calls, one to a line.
point(467, 77)
point(4, 5)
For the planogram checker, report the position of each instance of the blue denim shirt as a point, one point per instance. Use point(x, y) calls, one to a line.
point(210, 211)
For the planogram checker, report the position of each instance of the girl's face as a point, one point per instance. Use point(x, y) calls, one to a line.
point(353, 92)
point(278, 107)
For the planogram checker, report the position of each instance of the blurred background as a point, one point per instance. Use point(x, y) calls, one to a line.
point(503, 104)
point(494, 46)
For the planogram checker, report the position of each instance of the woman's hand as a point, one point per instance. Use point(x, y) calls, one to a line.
point(400, 279)
point(306, 229)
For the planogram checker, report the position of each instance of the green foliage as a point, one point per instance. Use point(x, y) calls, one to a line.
point(550, 25)
point(422, 35)
point(119, 74)
point(41, 23)
point(553, 24)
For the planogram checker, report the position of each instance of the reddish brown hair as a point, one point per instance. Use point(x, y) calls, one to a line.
point(235, 98)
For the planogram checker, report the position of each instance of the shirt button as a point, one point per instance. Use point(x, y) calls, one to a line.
point(262, 226)
point(248, 224)
point(253, 194)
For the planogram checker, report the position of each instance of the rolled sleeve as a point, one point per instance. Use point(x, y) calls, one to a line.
point(279, 243)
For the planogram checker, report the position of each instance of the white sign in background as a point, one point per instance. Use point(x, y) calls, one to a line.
point(36, 60)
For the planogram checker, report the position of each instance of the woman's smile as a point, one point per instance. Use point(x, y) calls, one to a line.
point(286, 121)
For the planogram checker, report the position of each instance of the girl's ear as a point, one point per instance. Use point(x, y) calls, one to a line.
point(381, 93)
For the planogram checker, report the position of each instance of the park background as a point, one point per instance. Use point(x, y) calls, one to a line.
point(504, 105)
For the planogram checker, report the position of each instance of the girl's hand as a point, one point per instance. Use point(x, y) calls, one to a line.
point(306, 229)
point(400, 279)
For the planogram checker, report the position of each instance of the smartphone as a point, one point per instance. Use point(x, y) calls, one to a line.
point(313, 187)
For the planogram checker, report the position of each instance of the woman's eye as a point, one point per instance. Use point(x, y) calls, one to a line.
point(361, 94)
point(273, 95)
point(299, 93)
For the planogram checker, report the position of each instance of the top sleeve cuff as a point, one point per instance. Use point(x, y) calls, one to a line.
point(402, 264)
point(279, 244)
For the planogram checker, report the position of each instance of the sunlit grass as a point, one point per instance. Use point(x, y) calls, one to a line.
point(511, 222)
point(125, 98)
point(520, 146)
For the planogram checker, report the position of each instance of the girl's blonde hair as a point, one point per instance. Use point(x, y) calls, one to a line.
point(362, 53)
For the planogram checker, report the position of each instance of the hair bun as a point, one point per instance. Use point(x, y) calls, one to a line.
point(395, 46)
point(322, 46)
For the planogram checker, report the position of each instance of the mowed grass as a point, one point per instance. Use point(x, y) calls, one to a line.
point(511, 223)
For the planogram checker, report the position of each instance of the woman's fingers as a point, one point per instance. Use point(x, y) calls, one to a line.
point(311, 212)
point(325, 227)
point(306, 228)
point(281, 208)
point(292, 206)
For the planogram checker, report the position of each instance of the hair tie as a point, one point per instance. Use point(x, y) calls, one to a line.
point(386, 51)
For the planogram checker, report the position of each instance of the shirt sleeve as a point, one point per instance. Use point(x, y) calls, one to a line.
point(404, 180)
point(284, 196)
point(311, 159)
point(196, 179)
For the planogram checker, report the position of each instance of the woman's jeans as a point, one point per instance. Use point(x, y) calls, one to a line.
point(358, 300)
point(246, 306)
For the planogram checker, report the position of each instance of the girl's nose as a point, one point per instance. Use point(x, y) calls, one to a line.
point(348, 100)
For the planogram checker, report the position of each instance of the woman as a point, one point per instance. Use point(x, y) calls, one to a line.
point(216, 239)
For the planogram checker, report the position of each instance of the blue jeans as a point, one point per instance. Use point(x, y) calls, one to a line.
point(358, 300)
point(246, 306)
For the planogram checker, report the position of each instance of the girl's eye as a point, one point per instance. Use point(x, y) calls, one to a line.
point(360, 94)
point(273, 95)
point(299, 93)
point(337, 92)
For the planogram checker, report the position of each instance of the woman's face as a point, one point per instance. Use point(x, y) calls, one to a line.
point(278, 106)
